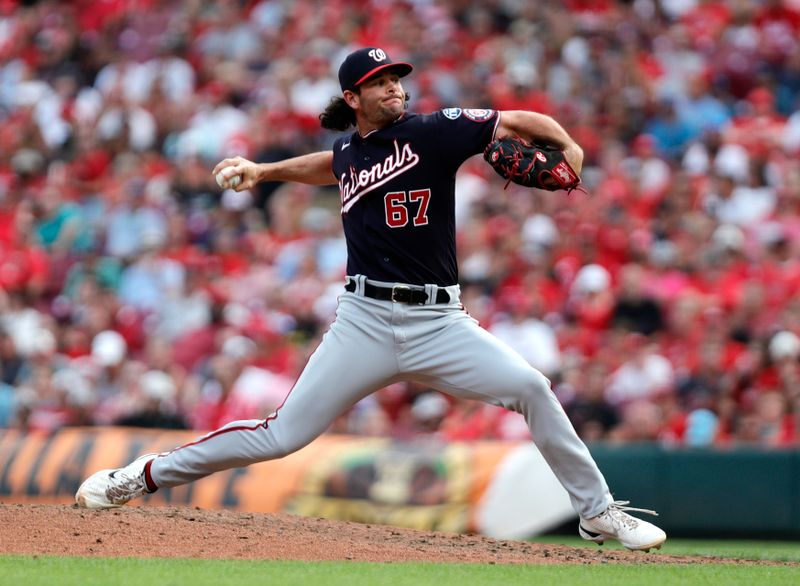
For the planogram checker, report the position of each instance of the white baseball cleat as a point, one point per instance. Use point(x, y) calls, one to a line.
point(108, 489)
point(615, 523)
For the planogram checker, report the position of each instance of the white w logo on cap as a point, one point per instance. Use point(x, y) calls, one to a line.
point(377, 54)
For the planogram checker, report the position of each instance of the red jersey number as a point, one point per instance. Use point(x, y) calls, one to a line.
point(397, 212)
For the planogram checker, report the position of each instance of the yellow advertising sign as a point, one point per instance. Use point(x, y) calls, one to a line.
point(420, 485)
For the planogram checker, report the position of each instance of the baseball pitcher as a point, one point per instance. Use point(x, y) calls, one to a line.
point(399, 316)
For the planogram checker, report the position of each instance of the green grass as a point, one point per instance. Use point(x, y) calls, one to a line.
point(85, 572)
point(782, 551)
point(47, 570)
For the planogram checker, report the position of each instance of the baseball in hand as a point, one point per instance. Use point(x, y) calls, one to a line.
point(231, 183)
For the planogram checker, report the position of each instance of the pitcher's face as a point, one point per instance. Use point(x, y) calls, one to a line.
point(380, 101)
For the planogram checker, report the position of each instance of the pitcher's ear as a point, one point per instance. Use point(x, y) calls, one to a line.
point(351, 98)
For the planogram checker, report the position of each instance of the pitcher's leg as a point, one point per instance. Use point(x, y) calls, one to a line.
point(350, 363)
point(466, 361)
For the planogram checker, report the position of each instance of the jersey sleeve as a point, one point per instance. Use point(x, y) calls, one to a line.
point(462, 133)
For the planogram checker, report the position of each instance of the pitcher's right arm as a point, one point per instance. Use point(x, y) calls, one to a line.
point(313, 169)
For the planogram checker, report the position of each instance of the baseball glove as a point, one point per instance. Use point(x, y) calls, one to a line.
point(531, 165)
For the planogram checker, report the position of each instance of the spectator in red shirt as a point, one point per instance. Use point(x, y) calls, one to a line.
point(778, 25)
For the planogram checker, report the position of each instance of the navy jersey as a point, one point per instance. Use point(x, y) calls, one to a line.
point(397, 186)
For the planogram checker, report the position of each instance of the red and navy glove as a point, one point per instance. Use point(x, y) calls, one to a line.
point(531, 165)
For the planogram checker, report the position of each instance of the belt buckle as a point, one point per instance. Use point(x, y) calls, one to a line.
point(400, 288)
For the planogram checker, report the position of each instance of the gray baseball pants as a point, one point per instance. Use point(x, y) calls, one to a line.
point(372, 344)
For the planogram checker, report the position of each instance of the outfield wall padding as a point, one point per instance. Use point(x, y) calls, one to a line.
point(741, 492)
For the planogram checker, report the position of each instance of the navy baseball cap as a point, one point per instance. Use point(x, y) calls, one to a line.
point(360, 65)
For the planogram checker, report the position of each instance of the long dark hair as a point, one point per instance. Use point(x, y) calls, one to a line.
point(338, 115)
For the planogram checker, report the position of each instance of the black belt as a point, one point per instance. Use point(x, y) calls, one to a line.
point(399, 293)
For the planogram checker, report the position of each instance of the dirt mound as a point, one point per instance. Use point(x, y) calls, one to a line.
point(194, 533)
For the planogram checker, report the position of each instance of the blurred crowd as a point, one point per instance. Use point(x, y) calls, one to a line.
point(663, 305)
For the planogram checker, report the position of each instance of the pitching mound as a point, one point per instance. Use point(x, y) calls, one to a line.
point(195, 533)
